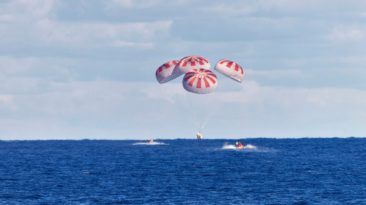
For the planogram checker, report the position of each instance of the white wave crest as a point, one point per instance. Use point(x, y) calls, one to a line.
point(149, 143)
point(232, 147)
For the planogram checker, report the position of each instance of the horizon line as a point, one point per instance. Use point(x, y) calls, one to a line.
point(128, 139)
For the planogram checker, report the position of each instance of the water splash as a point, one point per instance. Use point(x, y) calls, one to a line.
point(247, 148)
point(233, 147)
point(149, 143)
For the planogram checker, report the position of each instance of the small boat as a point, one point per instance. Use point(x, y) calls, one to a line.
point(239, 145)
point(149, 142)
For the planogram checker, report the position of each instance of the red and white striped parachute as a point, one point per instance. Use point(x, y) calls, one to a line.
point(230, 69)
point(189, 63)
point(198, 78)
point(200, 81)
point(168, 71)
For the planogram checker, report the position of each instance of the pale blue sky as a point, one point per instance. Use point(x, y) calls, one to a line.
point(76, 69)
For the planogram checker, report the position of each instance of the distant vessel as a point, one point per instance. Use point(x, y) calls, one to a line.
point(199, 136)
point(239, 145)
point(150, 141)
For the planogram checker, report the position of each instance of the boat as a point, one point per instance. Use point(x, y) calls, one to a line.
point(149, 142)
point(239, 145)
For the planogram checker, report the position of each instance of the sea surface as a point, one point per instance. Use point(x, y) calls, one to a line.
point(275, 171)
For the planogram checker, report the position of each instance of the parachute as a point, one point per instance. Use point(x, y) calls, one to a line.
point(167, 72)
point(200, 81)
point(230, 69)
point(189, 63)
point(198, 78)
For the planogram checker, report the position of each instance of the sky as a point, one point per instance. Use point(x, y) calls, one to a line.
point(77, 69)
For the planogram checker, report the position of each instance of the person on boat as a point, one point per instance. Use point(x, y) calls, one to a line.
point(150, 141)
point(239, 145)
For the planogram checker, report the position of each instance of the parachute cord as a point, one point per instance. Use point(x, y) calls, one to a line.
point(201, 109)
point(209, 115)
point(190, 109)
point(197, 114)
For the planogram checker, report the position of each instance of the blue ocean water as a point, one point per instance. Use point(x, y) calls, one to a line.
point(279, 171)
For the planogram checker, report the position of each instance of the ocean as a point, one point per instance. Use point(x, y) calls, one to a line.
point(273, 171)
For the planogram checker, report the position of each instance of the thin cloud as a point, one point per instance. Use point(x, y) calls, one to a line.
point(347, 34)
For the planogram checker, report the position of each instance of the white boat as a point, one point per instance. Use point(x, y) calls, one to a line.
point(149, 142)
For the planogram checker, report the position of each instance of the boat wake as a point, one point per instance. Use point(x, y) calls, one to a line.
point(149, 143)
point(228, 147)
point(247, 147)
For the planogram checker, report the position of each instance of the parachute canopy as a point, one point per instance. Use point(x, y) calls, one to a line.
point(167, 72)
point(198, 77)
point(200, 81)
point(230, 69)
point(189, 63)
